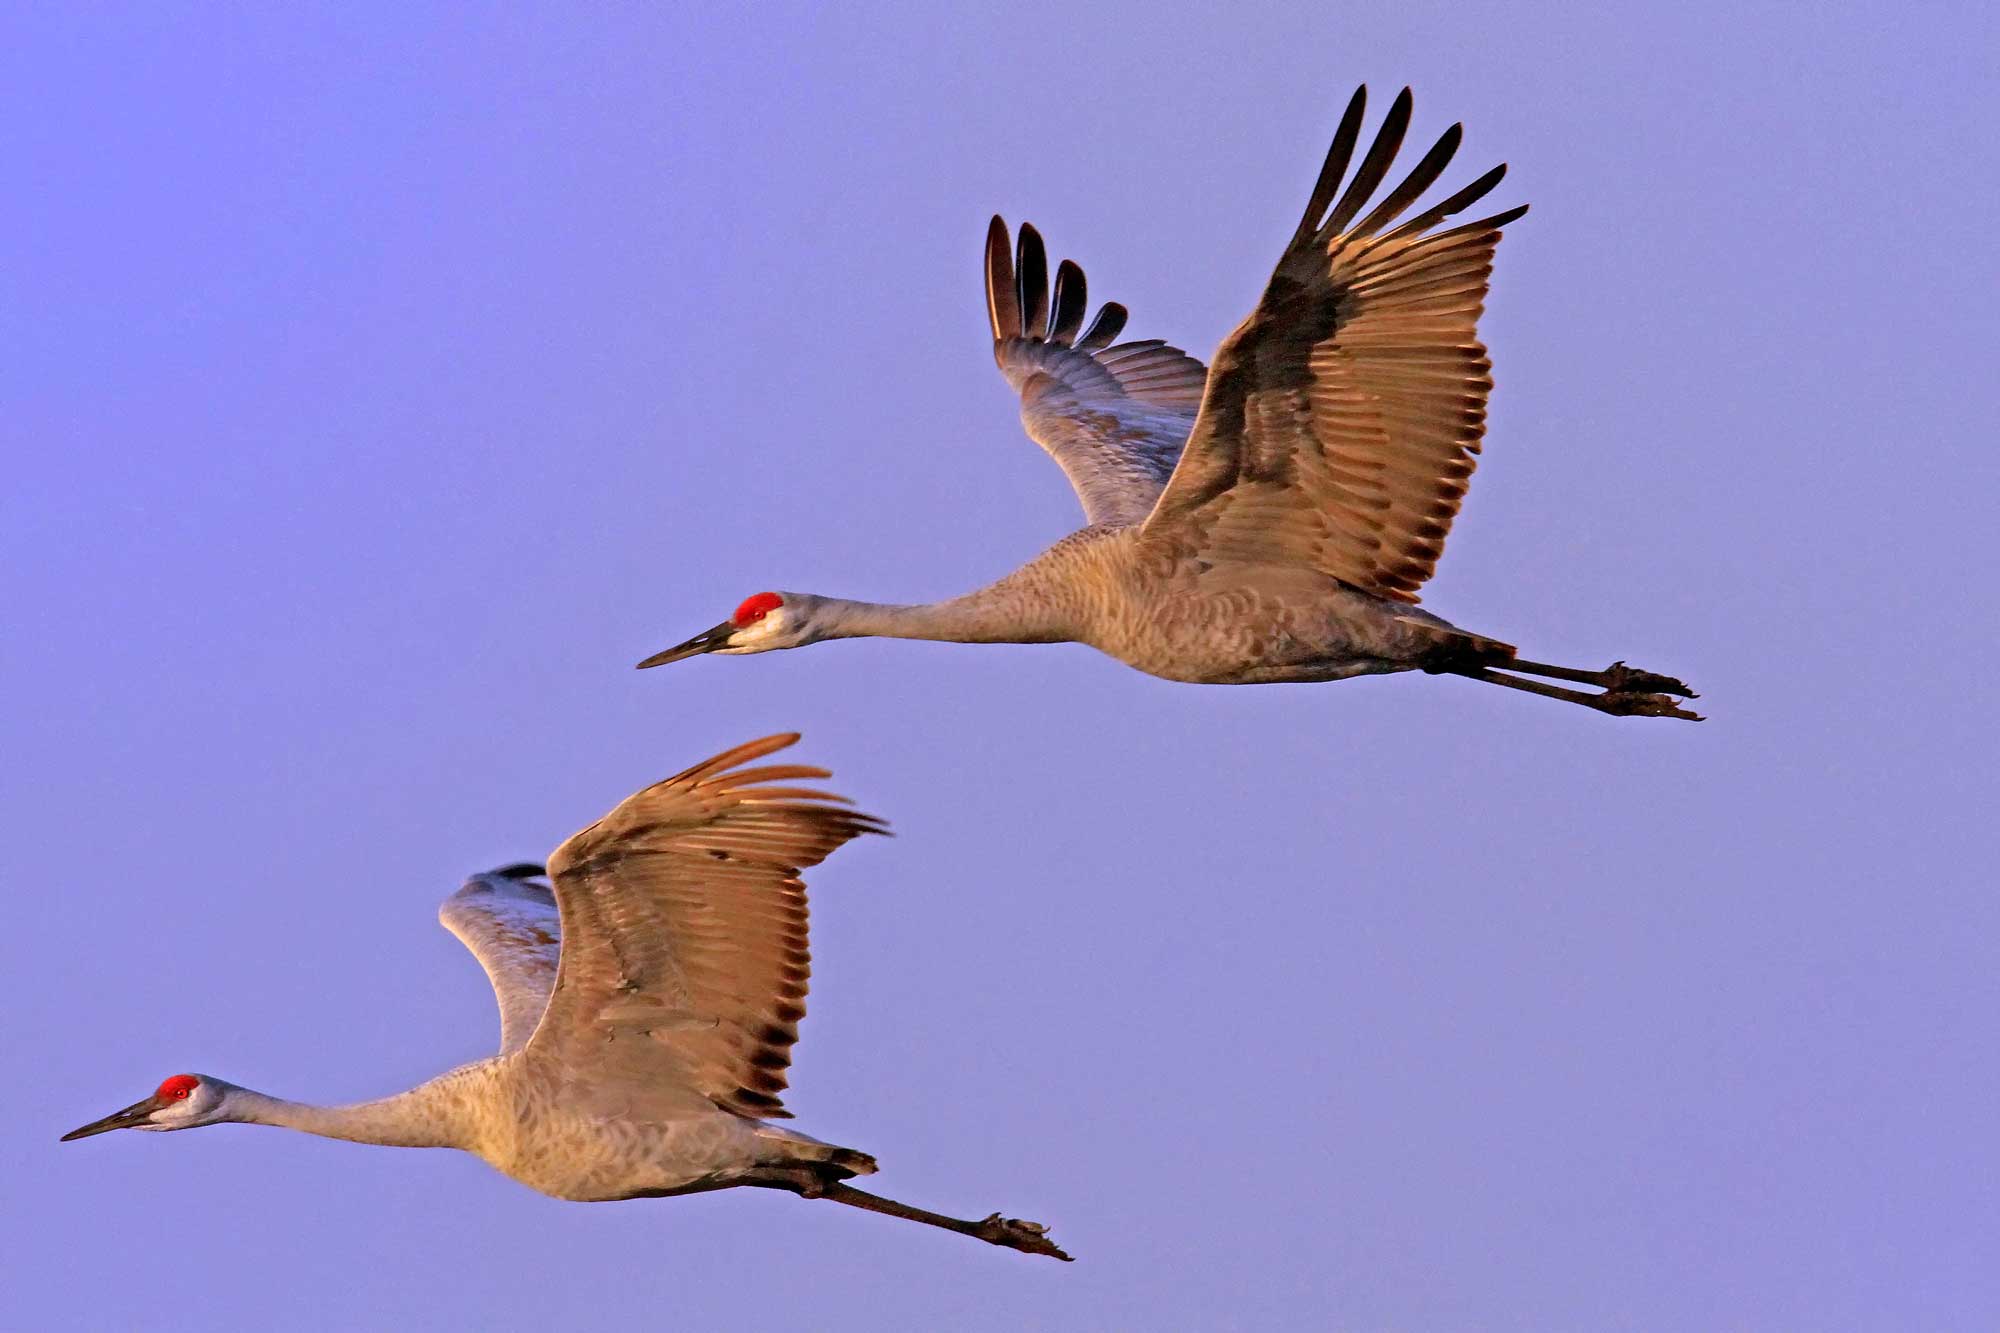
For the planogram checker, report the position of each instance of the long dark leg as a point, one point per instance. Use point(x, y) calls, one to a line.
point(1617, 678)
point(1028, 1237)
point(1628, 691)
point(1619, 703)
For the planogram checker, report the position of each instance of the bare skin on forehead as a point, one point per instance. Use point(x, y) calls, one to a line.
point(755, 607)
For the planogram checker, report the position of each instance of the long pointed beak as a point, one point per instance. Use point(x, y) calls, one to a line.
point(705, 642)
point(136, 1114)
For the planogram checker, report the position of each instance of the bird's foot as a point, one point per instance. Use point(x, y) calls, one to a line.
point(1015, 1234)
point(1630, 703)
point(1621, 679)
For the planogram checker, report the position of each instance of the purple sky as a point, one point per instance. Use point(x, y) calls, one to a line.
point(380, 388)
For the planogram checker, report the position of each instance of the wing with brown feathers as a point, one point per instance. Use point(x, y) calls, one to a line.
point(1113, 417)
point(1343, 418)
point(684, 959)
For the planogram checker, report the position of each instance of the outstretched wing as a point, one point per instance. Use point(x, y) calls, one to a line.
point(684, 960)
point(1114, 417)
point(511, 925)
point(1342, 418)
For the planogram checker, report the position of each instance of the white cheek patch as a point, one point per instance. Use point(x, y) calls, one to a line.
point(753, 637)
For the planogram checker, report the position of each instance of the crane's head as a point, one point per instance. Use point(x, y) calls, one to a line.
point(764, 621)
point(182, 1102)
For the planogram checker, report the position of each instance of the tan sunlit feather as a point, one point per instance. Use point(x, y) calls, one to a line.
point(685, 958)
point(1342, 420)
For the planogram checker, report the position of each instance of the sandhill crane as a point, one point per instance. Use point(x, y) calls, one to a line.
point(1267, 519)
point(649, 1000)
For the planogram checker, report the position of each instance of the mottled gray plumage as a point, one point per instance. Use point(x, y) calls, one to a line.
point(649, 999)
point(1271, 517)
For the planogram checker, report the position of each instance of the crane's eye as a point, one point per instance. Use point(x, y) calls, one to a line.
point(180, 1094)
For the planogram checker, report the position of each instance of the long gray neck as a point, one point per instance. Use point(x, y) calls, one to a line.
point(1031, 605)
point(433, 1115)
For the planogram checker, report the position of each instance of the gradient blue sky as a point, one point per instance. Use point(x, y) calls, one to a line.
point(383, 381)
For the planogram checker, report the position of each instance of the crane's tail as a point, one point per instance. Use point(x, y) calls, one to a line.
point(830, 1161)
point(1446, 647)
point(852, 1163)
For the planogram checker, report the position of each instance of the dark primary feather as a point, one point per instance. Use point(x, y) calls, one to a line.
point(1110, 322)
point(1031, 281)
point(1341, 420)
point(1445, 208)
point(1374, 167)
point(1113, 417)
point(1335, 167)
point(1427, 171)
point(1003, 302)
point(1071, 302)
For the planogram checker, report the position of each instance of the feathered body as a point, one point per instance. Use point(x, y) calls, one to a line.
point(516, 1124)
point(508, 1113)
point(1133, 598)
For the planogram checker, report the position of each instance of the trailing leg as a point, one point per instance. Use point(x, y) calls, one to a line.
point(1619, 703)
point(1616, 678)
point(1628, 691)
point(1028, 1237)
